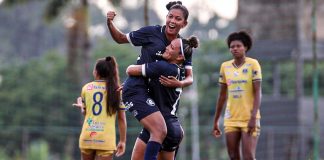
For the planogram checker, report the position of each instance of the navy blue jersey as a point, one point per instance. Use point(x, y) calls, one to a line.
point(153, 42)
point(167, 99)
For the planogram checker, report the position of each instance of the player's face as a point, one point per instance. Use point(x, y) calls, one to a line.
point(172, 51)
point(237, 49)
point(174, 22)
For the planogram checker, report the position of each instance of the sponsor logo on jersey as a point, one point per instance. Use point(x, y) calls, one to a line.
point(93, 134)
point(128, 105)
point(229, 82)
point(159, 53)
point(90, 87)
point(150, 102)
point(95, 126)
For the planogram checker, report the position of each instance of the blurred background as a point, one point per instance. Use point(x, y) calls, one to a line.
point(48, 49)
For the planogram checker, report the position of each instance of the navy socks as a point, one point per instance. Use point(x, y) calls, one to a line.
point(152, 150)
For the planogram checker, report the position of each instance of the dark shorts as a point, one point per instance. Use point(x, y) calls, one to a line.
point(173, 138)
point(139, 104)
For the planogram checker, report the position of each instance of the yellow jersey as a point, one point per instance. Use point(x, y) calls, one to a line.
point(98, 130)
point(239, 81)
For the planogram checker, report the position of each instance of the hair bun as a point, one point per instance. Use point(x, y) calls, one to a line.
point(193, 41)
point(108, 58)
point(172, 3)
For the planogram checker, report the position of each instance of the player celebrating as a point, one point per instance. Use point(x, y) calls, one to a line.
point(153, 40)
point(167, 99)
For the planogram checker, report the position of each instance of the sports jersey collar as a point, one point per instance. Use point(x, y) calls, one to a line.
point(99, 80)
point(235, 66)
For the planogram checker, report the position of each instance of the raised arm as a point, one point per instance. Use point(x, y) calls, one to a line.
point(115, 33)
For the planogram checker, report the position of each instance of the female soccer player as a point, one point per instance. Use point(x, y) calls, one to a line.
point(167, 99)
point(240, 84)
point(100, 101)
point(153, 40)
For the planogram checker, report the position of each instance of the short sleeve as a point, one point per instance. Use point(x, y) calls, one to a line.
point(256, 71)
point(156, 69)
point(140, 37)
point(83, 93)
point(222, 78)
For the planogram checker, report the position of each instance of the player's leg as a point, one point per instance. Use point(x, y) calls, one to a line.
point(249, 143)
point(88, 154)
point(172, 140)
point(233, 137)
point(104, 155)
point(140, 145)
point(148, 114)
point(165, 155)
point(155, 124)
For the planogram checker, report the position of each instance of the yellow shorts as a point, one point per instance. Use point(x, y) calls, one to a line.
point(97, 152)
point(255, 133)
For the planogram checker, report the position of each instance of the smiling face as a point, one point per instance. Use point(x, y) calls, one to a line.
point(172, 51)
point(174, 22)
point(237, 49)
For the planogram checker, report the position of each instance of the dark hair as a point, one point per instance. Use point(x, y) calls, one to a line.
point(242, 36)
point(188, 44)
point(107, 68)
point(178, 5)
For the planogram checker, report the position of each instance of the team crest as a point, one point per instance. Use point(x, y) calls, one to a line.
point(150, 102)
point(135, 113)
point(245, 71)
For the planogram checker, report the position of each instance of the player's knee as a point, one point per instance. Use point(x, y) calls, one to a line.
point(163, 132)
point(159, 133)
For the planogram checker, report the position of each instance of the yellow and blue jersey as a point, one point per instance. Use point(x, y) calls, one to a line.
point(98, 130)
point(240, 97)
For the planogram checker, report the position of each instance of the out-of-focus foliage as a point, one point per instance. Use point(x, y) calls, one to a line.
point(38, 150)
point(38, 95)
point(125, 54)
point(54, 8)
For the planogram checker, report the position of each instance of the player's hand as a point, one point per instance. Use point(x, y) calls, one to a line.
point(110, 16)
point(251, 126)
point(79, 104)
point(120, 88)
point(216, 131)
point(120, 149)
point(170, 81)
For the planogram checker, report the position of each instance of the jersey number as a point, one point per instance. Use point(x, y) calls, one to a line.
point(96, 103)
